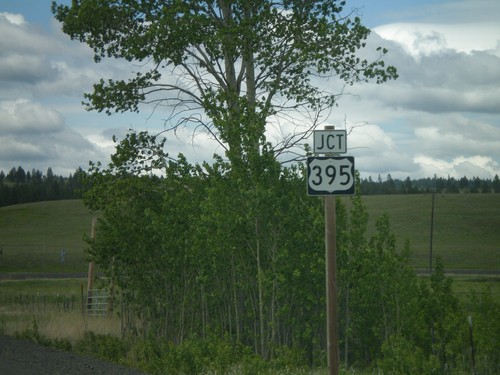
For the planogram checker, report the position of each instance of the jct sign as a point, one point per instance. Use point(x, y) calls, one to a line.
point(329, 141)
point(330, 175)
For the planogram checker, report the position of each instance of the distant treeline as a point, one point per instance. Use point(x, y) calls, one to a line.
point(449, 185)
point(19, 186)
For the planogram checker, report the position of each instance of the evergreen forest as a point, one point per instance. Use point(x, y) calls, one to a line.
point(20, 186)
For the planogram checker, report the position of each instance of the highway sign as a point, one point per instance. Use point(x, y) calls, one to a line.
point(329, 141)
point(330, 175)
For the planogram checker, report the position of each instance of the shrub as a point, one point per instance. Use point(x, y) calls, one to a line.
point(106, 347)
point(193, 356)
point(400, 356)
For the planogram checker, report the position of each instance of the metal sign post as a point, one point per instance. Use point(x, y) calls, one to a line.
point(329, 176)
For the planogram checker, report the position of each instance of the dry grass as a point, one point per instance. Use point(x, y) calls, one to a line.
point(56, 307)
point(57, 324)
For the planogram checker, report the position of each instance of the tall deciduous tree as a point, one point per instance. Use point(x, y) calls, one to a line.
point(238, 62)
point(196, 252)
point(237, 255)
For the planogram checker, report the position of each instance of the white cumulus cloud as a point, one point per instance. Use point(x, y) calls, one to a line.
point(24, 116)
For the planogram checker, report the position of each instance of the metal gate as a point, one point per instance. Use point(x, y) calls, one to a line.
point(97, 302)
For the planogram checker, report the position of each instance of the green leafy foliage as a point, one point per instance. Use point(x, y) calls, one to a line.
point(377, 289)
point(202, 249)
point(432, 339)
point(102, 346)
point(213, 261)
point(484, 334)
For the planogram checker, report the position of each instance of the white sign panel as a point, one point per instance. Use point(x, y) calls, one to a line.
point(329, 141)
point(332, 175)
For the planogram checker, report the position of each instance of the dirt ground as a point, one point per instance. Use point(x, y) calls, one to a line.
point(20, 357)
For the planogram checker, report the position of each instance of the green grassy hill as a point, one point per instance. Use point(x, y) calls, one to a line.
point(466, 231)
point(466, 227)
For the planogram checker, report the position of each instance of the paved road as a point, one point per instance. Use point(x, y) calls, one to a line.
point(464, 272)
point(20, 357)
point(83, 275)
point(25, 276)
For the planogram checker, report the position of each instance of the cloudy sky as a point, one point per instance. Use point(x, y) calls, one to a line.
point(442, 116)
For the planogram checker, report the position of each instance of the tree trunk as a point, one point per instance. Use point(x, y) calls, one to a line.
point(262, 329)
point(347, 324)
point(255, 128)
point(238, 324)
point(231, 129)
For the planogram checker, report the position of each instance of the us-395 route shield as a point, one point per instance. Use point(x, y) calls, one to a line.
point(330, 175)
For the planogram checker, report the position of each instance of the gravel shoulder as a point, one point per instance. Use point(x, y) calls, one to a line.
point(21, 357)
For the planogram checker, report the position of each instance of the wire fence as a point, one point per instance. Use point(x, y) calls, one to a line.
point(96, 304)
point(39, 302)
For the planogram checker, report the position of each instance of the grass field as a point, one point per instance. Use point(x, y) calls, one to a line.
point(466, 231)
point(32, 236)
point(466, 227)
point(466, 236)
point(464, 286)
point(43, 286)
